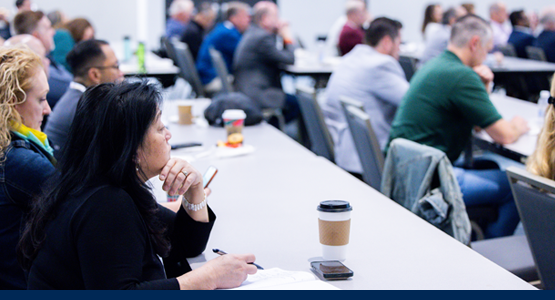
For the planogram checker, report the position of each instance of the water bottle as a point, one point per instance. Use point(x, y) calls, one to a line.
point(542, 104)
point(141, 57)
point(321, 46)
point(126, 48)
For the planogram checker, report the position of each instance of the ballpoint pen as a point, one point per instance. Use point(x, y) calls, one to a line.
point(221, 252)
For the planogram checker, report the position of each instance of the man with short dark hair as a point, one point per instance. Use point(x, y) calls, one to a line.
point(195, 30)
point(93, 62)
point(23, 5)
point(224, 38)
point(521, 36)
point(37, 24)
point(447, 98)
point(371, 74)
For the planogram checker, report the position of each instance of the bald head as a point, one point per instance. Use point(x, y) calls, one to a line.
point(33, 44)
point(263, 9)
point(547, 18)
point(498, 12)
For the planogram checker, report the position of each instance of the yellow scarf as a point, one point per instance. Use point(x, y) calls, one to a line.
point(34, 135)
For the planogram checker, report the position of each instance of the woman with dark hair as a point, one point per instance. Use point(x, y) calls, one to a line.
point(26, 160)
point(432, 20)
point(100, 227)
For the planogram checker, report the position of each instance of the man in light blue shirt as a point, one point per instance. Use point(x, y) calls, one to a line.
point(371, 74)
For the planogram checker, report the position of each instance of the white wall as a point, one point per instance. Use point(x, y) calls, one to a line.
point(112, 19)
point(310, 18)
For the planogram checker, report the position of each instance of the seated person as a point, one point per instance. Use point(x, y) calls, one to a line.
point(541, 162)
point(108, 231)
point(257, 63)
point(352, 33)
point(93, 62)
point(26, 160)
point(196, 28)
point(34, 44)
point(499, 25)
point(180, 12)
point(63, 41)
point(546, 39)
point(437, 43)
point(371, 74)
point(521, 36)
point(446, 99)
point(433, 16)
point(38, 25)
point(225, 37)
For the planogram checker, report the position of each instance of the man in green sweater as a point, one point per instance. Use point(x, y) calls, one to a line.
point(447, 98)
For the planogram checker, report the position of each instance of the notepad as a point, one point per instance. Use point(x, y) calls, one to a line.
point(278, 279)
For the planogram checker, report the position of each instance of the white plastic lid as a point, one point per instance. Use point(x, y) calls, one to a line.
point(234, 114)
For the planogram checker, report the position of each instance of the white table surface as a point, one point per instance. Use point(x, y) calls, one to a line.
point(266, 202)
point(510, 107)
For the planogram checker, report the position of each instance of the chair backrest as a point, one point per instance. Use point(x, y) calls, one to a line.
point(221, 69)
point(187, 67)
point(409, 66)
point(318, 133)
point(368, 148)
point(169, 47)
point(534, 197)
point(535, 53)
point(507, 50)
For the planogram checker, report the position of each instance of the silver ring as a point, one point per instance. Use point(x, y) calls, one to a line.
point(184, 173)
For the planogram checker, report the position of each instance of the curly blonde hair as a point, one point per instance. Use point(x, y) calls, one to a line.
point(17, 68)
point(542, 161)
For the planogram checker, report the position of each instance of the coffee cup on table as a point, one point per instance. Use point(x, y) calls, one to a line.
point(334, 224)
point(234, 120)
point(185, 112)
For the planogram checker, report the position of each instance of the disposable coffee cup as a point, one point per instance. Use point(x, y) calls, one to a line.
point(334, 224)
point(185, 112)
point(234, 120)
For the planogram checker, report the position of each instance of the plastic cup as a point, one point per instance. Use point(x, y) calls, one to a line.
point(334, 224)
point(234, 120)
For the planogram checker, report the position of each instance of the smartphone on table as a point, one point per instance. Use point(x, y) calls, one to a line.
point(209, 175)
point(331, 270)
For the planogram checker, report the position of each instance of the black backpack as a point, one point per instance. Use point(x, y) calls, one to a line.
point(233, 100)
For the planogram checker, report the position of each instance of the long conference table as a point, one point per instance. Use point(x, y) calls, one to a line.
point(265, 203)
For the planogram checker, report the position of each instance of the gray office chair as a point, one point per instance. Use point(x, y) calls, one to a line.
point(535, 200)
point(368, 148)
point(409, 66)
point(187, 68)
point(318, 133)
point(170, 49)
point(508, 50)
point(535, 53)
point(221, 69)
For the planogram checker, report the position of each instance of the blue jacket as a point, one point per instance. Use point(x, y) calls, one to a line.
point(23, 172)
point(421, 179)
point(520, 40)
point(546, 41)
point(224, 39)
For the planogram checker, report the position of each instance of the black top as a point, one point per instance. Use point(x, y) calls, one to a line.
point(99, 241)
point(193, 36)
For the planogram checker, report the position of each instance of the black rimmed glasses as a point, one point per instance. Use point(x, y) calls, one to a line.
point(116, 66)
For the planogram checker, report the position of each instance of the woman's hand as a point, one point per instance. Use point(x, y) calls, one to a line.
point(226, 271)
point(177, 183)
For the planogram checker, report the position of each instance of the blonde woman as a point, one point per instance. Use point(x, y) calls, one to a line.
point(542, 161)
point(26, 159)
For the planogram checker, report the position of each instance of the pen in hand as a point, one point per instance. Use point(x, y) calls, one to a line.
point(221, 252)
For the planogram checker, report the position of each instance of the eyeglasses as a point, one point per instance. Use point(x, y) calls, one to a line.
point(116, 66)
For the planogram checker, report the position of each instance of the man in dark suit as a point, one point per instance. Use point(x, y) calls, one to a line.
point(93, 62)
point(197, 27)
point(257, 62)
point(546, 39)
point(521, 37)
